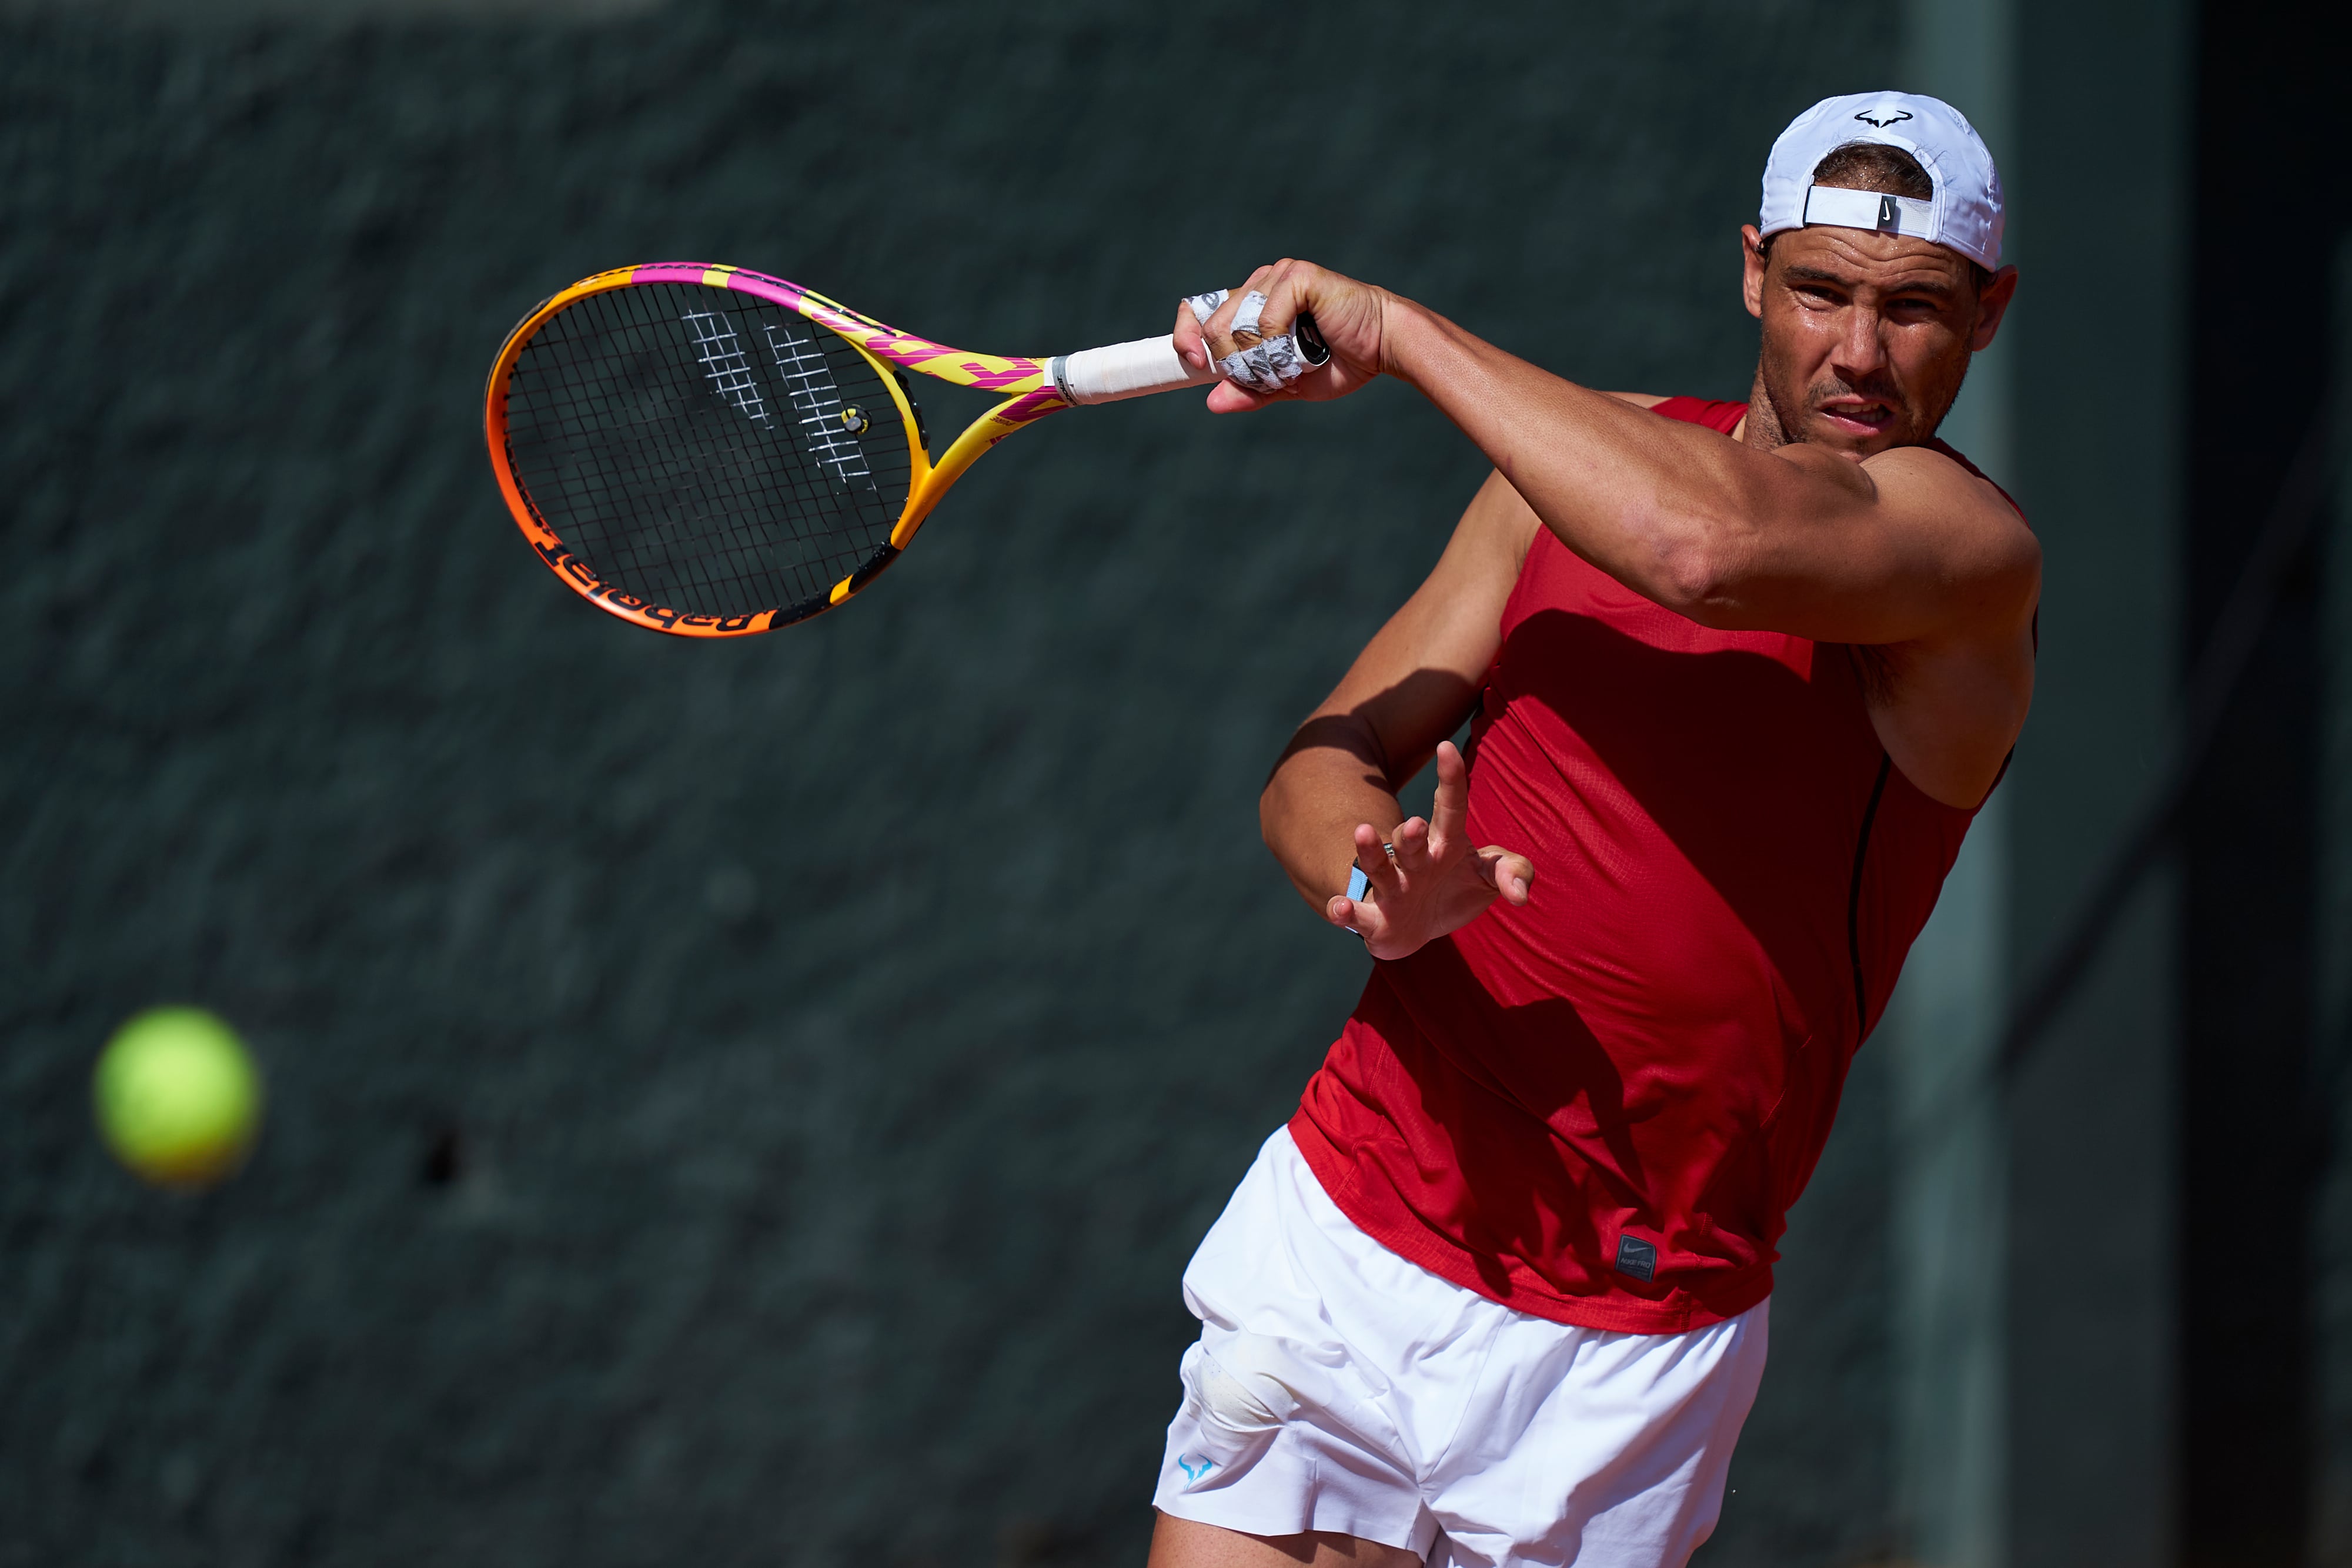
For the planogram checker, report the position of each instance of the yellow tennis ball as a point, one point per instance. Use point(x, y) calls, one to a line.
point(178, 1099)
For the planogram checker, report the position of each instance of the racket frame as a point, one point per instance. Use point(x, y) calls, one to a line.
point(1030, 396)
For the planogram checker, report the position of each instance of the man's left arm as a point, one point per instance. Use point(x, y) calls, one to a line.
point(1906, 547)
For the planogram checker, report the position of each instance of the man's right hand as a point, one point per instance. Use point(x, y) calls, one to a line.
point(1436, 882)
point(1349, 315)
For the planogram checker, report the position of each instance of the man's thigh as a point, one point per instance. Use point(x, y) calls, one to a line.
point(1182, 1544)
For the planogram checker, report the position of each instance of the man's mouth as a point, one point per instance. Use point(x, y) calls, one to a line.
point(1857, 416)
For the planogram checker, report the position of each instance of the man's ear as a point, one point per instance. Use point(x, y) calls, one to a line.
point(1992, 305)
point(1752, 263)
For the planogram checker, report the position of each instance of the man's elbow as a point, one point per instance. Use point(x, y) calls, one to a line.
point(1694, 576)
point(1269, 812)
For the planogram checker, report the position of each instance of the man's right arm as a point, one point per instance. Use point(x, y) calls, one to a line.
point(1332, 796)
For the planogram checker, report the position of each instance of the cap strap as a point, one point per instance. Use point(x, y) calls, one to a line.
point(1870, 210)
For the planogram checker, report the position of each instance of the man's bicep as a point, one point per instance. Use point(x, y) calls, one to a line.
point(1917, 548)
point(1415, 680)
point(1968, 564)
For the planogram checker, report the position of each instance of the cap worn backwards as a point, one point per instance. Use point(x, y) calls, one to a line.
point(1966, 214)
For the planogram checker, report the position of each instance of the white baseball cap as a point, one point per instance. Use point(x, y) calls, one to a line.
point(1966, 214)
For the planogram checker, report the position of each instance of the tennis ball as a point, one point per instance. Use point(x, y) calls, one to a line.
point(178, 1099)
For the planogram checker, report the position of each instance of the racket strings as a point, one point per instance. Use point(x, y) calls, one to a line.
point(704, 449)
point(715, 496)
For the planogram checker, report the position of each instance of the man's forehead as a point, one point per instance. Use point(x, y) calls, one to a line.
point(1861, 255)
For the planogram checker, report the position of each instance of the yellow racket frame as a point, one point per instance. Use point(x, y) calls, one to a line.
point(1030, 396)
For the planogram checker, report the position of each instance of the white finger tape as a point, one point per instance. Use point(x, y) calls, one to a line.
point(1246, 314)
point(1205, 304)
point(1267, 367)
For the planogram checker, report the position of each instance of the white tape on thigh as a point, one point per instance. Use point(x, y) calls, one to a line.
point(1236, 1416)
point(1242, 1408)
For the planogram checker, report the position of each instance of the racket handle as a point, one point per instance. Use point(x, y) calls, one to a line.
point(1120, 371)
point(1148, 365)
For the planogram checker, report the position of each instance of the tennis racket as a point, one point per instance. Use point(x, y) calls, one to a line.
point(712, 452)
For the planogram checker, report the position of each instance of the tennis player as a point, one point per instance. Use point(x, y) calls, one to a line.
point(1737, 677)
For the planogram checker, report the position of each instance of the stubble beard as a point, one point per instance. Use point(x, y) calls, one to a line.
point(1773, 423)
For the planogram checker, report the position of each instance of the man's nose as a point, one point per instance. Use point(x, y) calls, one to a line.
point(1861, 351)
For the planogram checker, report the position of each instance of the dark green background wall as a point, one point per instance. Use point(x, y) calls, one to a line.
point(752, 1102)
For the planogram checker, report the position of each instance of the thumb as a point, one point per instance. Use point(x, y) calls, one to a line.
point(1510, 873)
point(1226, 397)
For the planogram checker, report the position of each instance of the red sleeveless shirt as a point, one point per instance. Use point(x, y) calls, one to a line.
point(1597, 1108)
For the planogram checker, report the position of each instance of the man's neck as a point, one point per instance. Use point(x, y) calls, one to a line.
point(1761, 428)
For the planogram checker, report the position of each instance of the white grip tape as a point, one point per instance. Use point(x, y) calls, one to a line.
point(1138, 369)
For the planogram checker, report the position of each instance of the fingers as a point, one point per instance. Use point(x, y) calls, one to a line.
point(1365, 919)
point(1252, 355)
point(1351, 318)
point(1284, 283)
point(1258, 322)
point(1192, 314)
point(1244, 327)
point(1350, 916)
point(1203, 340)
point(1414, 895)
point(1449, 812)
point(1191, 346)
point(1219, 327)
point(1414, 850)
point(1510, 873)
point(1232, 397)
point(1380, 868)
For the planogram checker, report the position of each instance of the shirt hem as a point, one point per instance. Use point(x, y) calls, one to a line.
point(1455, 1264)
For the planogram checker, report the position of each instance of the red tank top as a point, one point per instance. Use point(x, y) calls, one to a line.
point(1597, 1108)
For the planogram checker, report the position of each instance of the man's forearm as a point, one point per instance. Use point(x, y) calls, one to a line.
point(1310, 812)
point(1655, 503)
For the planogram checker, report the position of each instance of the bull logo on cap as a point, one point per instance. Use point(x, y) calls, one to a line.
point(1881, 119)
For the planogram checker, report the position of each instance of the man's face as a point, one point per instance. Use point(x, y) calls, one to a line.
point(1866, 336)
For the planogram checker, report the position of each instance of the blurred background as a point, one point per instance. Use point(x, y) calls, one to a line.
point(752, 1102)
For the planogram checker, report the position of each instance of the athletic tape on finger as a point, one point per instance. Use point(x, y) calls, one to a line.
point(1204, 306)
point(1267, 367)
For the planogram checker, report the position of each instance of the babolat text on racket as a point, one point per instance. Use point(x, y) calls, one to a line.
point(712, 451)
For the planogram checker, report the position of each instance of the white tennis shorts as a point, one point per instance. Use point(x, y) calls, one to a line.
point(1337, 1386)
